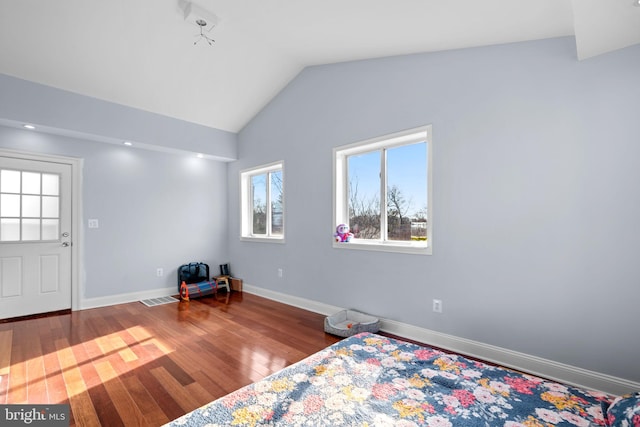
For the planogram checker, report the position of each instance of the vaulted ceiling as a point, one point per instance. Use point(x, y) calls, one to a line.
point(141, 53)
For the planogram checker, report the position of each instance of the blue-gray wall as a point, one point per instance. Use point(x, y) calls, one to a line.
point(55, 110)
point(536, 198)
point(155, 209)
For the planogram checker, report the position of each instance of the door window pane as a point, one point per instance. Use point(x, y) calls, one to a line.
point(50, 207)
point(9, 181)
point(50, 229)
point(9, 230)
point(31, 206)
point(30, 183)
point(50, 184)
point(9, 205)
point(30, 229)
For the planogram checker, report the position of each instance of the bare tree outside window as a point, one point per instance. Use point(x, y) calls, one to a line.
point(398, 221)
point(364, 195)
point(405, 173)
point(259, 192)
point(364, 213)
point(262, 203)
point(406, 191)
point(276, 195)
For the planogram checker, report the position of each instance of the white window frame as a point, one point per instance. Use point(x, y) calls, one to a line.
point(246, 203)
point(341, 190)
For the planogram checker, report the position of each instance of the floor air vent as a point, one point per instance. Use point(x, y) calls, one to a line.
point(152, 302)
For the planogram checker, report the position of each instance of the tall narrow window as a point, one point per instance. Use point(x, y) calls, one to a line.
point(382, 192)
point(262, 194)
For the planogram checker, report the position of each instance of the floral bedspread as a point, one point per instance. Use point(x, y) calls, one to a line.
point(370, 380)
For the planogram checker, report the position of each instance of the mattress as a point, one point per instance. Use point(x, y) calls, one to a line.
point(371, 380)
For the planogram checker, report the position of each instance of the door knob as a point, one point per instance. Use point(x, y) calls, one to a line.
point(65, 244)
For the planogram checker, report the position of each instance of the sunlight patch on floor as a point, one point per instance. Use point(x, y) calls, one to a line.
point(72, 362)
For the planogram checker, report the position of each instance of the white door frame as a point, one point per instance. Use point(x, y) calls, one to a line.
point(77, 261)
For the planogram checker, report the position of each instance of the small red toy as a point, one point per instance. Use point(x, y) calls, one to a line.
point(184, 291)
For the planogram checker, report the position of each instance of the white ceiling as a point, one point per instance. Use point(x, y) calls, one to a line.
point(140, 53)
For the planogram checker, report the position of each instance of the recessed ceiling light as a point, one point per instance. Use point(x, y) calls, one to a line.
point(128, 144)
point(200, 155)
point(29, 127)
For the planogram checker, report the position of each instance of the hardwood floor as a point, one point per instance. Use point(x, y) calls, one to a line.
point(133, 365)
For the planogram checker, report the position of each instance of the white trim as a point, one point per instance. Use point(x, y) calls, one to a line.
point(316, 307)
point(128, 297)
point(534, 365)
point(269, 239)
point(395, 139)
point(77, 232)
point(397, 247)
point(270, 167)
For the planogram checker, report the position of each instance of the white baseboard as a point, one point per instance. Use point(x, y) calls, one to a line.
point(307, 304)
point(125, 298)
point(538, 366)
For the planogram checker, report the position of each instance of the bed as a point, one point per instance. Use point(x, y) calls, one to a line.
point(371, 380)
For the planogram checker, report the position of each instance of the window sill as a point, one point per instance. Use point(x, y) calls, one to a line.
point(262, 239)
point(397, 247)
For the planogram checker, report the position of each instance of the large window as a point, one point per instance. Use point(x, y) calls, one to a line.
point(382, 191)
point(263, 202)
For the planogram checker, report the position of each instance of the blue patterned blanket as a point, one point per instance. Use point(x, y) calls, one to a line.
point(370, 380)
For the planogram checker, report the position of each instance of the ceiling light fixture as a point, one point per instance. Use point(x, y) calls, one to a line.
point(204, 19)
point(202, 23)
point(200, 155)
point(128, 144)
point(636, 3)
point(30, 127)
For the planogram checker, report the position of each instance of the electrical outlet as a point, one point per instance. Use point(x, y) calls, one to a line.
point(437, 306)
point(280, 272)
point(93, 223)
point(159, 272)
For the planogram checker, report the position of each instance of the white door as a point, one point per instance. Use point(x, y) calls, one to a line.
point(35, 237)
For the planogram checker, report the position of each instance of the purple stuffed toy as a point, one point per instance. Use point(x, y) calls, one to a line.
point(342, 233)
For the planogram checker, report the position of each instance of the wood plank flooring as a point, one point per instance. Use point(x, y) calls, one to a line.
point(132, 365)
